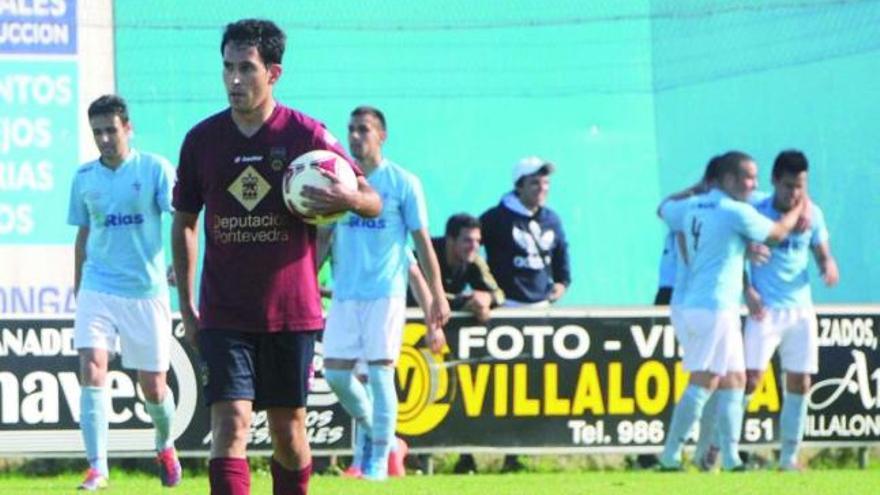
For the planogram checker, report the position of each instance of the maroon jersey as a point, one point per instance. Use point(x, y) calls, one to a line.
point(259, 269)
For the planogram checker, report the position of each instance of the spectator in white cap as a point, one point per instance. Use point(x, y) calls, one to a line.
point(525, 244)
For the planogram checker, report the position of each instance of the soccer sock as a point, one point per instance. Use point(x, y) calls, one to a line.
point(792, 420)
point(162, 414)
point(730, 419)
point(716, 432)
point(384, 415)
point(362, 441)
point(687, 412)
point(352, 395)
point(290, 482)
point(94, 426)
point(707, 428)
point(229, 476)
point(360, 455)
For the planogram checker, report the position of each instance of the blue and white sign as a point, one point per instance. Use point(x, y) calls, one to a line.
point(33, 27)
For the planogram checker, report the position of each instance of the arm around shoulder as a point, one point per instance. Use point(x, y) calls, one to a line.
point(786, 223)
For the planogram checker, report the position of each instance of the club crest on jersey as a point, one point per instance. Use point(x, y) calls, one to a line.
point(249, 188)
point(277, 157)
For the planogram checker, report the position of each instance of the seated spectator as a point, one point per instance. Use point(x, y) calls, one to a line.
point(467, 281)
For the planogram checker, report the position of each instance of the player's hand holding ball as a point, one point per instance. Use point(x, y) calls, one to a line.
point(320, 186)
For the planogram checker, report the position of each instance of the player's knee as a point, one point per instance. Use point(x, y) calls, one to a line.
point(230, 430)
point(733, 380)
point(704, 379)
point(283, 437)
point(751, 386)
point(92, 374)
point(153, 391)
point(797, 383)
point(752, 380)
point(288, 437)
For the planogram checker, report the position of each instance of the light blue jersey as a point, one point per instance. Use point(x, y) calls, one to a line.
point(668, 261)
point(370, 259)
point(717, 229)
point(122, 209)
point(783, 281)
point(673, 214)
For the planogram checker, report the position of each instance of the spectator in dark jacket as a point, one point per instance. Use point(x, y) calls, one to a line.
point(468, 283)
point(525, 244)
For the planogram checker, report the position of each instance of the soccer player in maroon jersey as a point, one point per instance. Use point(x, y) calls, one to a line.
point(259, 307)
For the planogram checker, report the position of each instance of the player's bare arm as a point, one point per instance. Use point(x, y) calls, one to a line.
point(699, 188)
point(806, 219)
point(79, 256)
point(439, 314)
point(185, 251)
point(827, 264)
point(786, 223)
point(364, 200)
point(435, 337)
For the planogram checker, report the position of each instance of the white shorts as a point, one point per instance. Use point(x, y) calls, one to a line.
point(793, 330)
point(369, 330)
point(712, 340)
point(139, 329)
point(678, 325)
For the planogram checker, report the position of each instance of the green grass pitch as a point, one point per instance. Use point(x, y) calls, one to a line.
point(843, 481)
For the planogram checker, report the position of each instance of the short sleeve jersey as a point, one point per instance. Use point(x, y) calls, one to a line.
point(259, 268)
point(673, 213)
point(668, 262)
point(122, 209)
point(784, 281)
point(370, 259)
point(717, 229)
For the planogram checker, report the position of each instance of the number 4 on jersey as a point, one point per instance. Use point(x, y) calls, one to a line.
point(696, 227)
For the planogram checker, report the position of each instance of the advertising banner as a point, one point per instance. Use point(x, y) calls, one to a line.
point(608, 381)
point(529, 381)
point(39, 399)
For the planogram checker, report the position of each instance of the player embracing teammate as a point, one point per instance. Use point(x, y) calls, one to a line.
point(717, 228)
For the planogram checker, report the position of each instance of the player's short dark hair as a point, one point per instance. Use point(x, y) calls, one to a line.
point(729, 163)
point(109, 105)
point(368, 110)
point(264, 35)
point(459, 222)
point(789, 162)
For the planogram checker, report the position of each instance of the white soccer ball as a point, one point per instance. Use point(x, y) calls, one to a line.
point(304, 171)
